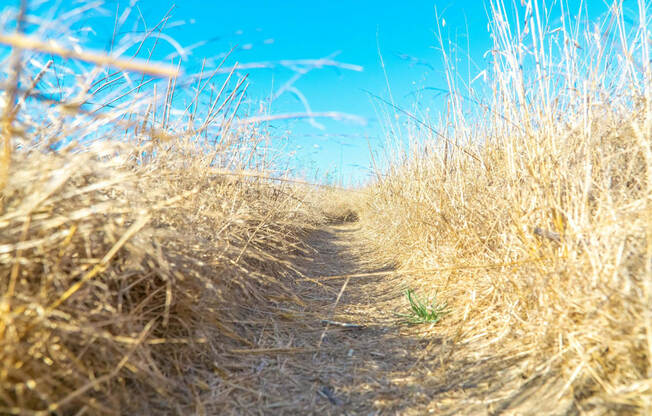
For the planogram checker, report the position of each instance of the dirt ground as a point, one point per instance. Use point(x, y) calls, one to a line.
point(347, 353)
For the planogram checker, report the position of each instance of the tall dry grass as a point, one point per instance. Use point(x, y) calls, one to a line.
point(139, 239)
point(529, 208)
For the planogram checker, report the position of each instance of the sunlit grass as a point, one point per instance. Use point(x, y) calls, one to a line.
point(528, 206)
point(133, 234)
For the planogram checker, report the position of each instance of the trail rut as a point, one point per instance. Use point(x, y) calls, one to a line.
point(346, 353)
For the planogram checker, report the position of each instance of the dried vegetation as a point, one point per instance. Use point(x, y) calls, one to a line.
point(531, 213)
point(137, 239)
point(142, 244)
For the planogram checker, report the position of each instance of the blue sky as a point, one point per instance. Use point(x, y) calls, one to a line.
point(352, 31)
point(272, 30)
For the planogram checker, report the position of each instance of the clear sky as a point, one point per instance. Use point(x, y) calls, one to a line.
point(353, 32)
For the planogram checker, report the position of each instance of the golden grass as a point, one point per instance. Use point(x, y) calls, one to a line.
point(17, 40)
point(143, 246)
point(534, 220)
point(126, 282)
point(132, 245)
point(336, 205)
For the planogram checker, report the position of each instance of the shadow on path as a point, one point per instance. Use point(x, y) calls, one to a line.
point(375, 365)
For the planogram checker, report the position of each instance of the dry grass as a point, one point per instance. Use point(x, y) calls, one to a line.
point(137, 241)
point(148, 252)
point(128, 281)
point(337, 205)
point(533, 219)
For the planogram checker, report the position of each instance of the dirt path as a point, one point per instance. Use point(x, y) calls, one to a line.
point(376, 366)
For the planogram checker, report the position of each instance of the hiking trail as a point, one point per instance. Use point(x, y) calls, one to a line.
point(347, 353)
